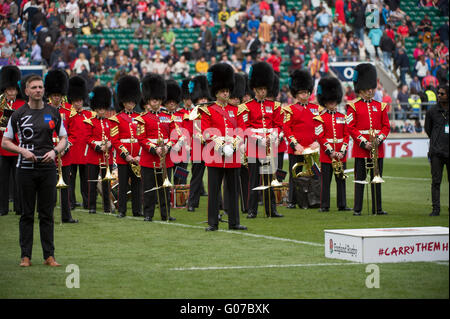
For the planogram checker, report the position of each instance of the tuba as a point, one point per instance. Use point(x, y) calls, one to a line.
point(310, 157)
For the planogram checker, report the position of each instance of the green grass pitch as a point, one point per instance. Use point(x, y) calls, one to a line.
point(280, 258)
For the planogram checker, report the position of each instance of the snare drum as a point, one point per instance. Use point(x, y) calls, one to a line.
point(180, 196)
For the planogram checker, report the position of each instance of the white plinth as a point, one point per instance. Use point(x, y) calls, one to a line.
point(384, 245)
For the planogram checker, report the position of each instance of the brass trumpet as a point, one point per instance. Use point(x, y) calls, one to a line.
point(60, 184)
point(374, 156)
point(108, 175)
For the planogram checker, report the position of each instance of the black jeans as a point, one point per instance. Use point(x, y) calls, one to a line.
point(437, 167)
point(327, 173)
point(83, 184)
point(360, 175)
point(37, 184)
point(93, 173)
point(195, 188)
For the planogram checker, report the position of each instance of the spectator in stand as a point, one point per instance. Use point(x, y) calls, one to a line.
point(253, 24)
point(313, 64)
point(36, 57)
point(275, 60)
point(442, 51)
point(402, 62)
point(402, 103)
point(418, 126)
point(233, 39)
point(403, 31)
point(387, 99)
point(415, 102)
point(339, 11)
point(223, 15)
point(424, 28)
point(234, 4)
point(387, 46)
point(416, 84)
point(443, 32)
point(296, 61)
point(169, 36)
point(421, 68)
point(159, 66)
point(201, 66)
point(430, 80)
point(418, 51)
point(442, 73)
point(185, 19)
point(196, 52)
point(323, 62)
point(375, 35)
point(110, 61)
point(359, 18)
point(409, 128)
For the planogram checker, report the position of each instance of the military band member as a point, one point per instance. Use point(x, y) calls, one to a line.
point(199, 90)
point(221, 125)
point(153, 136)
point(272, 96)
point(128, 150)
point(10, 101)
point(332, 134)
point(99, 157)
point(365, 115)
point(56, 83)
point(77, 95)
point(259, 116)
point(299, 124)
point(178, 154)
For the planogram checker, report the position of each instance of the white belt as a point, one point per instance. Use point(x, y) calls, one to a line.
point(98, 143)
point(367, 131)
point(262, 130)
point(338, 140)
point(129, 140)
point(156, 140)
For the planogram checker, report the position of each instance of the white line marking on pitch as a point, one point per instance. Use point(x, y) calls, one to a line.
point(263, 266)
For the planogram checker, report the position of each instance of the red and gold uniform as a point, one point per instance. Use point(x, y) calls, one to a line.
point(8, 162)
point(333, 136)
point(124, 135)
point(154, 131)
point(98, 134)
point(363, 116)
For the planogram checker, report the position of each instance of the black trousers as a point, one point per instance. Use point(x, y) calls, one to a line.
point(177, 180)
point(327, 173)
point(195, 188)
point(152, 178)
point(125, 173)
point(8, 181)
point(64, 195)
point(37, 184)
point(93, 171)
point(215, 177)
point(256, 179)
point(360, 175)
point(437, 167)
point(83, 184)
point(293, 159)
point(242, 189)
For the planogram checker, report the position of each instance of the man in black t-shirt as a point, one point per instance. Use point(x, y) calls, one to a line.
point(34, 123)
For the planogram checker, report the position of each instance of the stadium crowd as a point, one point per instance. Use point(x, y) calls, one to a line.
point(239, 32)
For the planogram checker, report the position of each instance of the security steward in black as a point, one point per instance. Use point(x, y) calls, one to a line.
point(436, 127)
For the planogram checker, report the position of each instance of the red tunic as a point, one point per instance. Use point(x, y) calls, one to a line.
point(279, 119)
point(150, 129)
point(124, 135)
point(332, 134)
point(98, 130)
point(260, 120)
point(178, 131)
point(14, 105)
point(363, 116)
point(78, 135)
point(221, 124)
point(299, 125)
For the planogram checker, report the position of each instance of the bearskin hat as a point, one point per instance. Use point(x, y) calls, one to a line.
point(261, 75)
point(220, 76)
point(364, 77)
point(239, 86)
point(56, 82)
point(185, 95)
point(128, 90)
point(153, 87)
point(329, 89)
point(199, 88)
point(100, 98)
point(77, 89)
point(10, 77)
point(301, 80)
point(275, 90)
point(173, 91)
